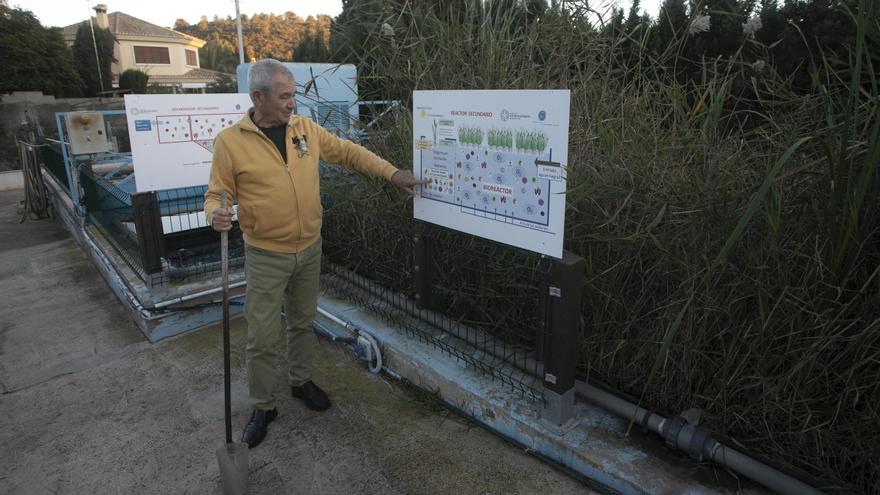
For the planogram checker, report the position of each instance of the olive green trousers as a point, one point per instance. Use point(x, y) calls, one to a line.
point(273, 279)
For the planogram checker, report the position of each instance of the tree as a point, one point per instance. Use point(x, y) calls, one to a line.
point(84, 55)
point(634, 30)
point(135, 80)
point(311, 49)
point(614, 27)
point(264, 34)
point(725, 36)
point(672, 23)
point(633, 18)
point(34, 58)
point(218, 55)
point(801, 34)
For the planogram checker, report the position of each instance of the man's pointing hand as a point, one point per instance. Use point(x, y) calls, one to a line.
point(405, 181)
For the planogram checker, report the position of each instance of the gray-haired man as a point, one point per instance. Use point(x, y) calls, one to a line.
point(269, 162)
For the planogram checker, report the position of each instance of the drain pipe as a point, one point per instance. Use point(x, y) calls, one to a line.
point(365, 344)
point(194, 295)
point(697, 442)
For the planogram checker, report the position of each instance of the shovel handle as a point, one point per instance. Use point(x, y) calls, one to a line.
point(224, 270)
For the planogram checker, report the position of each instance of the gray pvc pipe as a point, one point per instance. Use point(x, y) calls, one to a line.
point(620, 407)
point(762, 473)
point(721, 454)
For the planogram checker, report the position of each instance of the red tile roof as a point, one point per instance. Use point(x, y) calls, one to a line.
point(124, 24)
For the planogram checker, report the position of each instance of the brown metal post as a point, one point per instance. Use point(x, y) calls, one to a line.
point(559, 336)
point(148, 225)
point(422, 270)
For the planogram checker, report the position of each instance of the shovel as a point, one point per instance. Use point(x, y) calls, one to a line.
point(232, 457)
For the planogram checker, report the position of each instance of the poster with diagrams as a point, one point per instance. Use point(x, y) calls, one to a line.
point(172, 136)
point(497, 163)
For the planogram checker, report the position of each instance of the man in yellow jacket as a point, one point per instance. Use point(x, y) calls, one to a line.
point(268, 161)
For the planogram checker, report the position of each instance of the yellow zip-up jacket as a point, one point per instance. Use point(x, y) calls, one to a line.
point(279, 204)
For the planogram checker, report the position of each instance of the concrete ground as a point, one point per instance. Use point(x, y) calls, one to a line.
point(87, 405)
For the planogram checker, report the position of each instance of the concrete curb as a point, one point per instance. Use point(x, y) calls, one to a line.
point(597, 447)
point(11, 180)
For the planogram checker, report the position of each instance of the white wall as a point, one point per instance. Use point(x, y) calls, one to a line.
point(11, 180)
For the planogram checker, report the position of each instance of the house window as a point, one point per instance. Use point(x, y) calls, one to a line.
point(151, 55)
point(191, 58)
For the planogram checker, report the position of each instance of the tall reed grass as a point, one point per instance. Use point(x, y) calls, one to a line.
point(729, 223)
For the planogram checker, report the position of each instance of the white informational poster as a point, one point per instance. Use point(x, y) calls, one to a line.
point(497, 162)
point(172, 136)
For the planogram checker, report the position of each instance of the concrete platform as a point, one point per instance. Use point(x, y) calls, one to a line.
point(90, 406)
point(597, 446)
point(87, 405)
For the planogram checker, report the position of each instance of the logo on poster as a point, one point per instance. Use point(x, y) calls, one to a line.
point(508, 115)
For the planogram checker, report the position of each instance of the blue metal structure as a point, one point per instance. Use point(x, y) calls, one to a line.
point(104, 218)
point(97, 211)
point(72, 161)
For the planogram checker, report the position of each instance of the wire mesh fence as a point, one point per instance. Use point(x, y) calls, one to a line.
point(162, 235)
point(53, 161)
point(164, 238)
point(191, 246)
point(513, 366)
point(368, 255)
point(108, 209)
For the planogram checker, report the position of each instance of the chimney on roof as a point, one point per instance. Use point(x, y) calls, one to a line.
point(101, 16)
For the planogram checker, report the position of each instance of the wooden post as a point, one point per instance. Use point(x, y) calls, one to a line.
point(559, 335)
point(148, 225)
point(422, 270)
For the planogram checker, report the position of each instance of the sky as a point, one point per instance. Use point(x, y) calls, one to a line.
point(164, 12)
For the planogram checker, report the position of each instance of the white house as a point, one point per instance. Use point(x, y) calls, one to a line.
point(169, 57)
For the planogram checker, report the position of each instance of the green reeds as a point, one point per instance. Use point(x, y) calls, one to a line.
point(729, 223)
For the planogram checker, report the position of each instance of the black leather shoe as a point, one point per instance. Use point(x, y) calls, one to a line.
point(314, 397)
point(255, 431)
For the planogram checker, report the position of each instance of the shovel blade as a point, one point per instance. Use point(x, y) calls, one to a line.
point(233, 459)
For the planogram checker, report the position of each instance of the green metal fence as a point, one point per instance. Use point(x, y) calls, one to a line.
point(50, 152)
